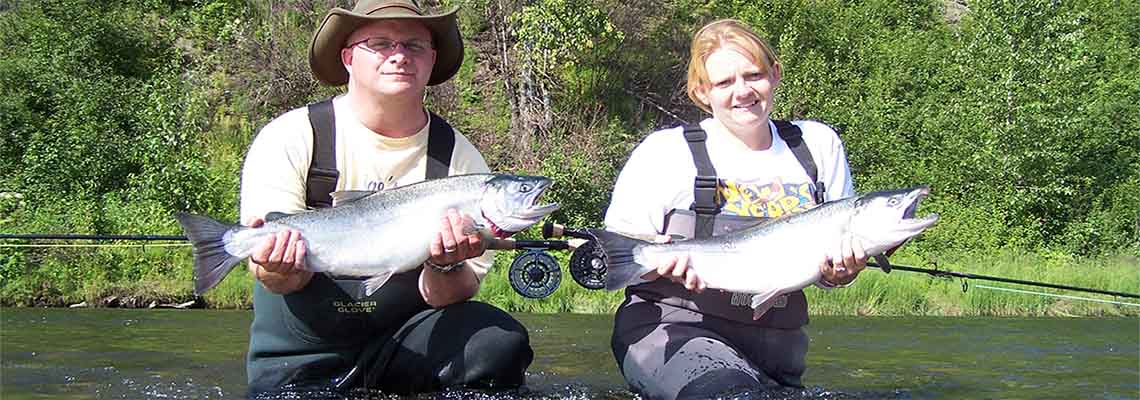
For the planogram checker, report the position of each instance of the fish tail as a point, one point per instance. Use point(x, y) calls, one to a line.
point(622, 269)
point(211, 261)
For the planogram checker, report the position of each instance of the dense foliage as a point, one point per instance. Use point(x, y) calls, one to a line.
point(1023, 116)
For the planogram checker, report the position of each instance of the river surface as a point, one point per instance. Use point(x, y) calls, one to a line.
point(199, 354)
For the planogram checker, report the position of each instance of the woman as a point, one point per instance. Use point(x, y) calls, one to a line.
point(672, 338)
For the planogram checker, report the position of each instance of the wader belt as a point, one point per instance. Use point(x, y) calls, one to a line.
point(704, 219)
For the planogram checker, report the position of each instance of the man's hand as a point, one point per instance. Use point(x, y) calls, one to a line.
point(279, 262)
point(843, 271)
point(455, 243)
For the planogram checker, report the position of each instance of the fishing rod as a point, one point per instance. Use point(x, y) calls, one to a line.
point(75, 236)
point(887, 267)
point(494, 244)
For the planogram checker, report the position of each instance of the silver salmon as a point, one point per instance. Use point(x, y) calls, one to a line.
point(374, 234)
point(776, 256)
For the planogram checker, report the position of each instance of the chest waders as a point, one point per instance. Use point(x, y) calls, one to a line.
point(671, 343)
point(320, 335)
point(704, 219)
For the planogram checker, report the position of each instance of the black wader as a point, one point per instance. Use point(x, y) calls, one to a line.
point(321, 339)
point(671, 343)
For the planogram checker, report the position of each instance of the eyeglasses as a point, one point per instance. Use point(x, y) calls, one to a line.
point(387, 46)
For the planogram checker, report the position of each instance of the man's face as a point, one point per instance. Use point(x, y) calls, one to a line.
point(740, 92)
point(392, 57)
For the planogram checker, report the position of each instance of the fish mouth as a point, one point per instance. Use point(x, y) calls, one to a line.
point(533, 209)
point(914, 197)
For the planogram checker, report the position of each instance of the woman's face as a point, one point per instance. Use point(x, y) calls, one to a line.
point(739, 92)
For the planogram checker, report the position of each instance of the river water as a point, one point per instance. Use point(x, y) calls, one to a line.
point(198, 354)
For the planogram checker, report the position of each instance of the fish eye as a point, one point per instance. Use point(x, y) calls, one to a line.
point(893, 201)
point(526, 187)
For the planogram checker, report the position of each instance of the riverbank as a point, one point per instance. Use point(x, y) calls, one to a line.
point(899, 293)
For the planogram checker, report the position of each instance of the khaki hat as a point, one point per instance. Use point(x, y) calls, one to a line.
point(324, 52)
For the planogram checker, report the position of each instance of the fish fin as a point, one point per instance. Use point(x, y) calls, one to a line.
point(621, 268)
point(211, 261)
point(351, 287)
point(762, 302)
point(884, 264)
point(275, 215)
point(347, 196)
point(374, 283)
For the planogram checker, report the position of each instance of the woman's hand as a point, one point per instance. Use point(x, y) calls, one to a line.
point(677, 269)
point(843, 271)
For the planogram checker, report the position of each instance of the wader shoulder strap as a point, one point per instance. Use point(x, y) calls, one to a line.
point(704, 187)
point(323, 174)
point(441, 143)
point(322, 169)
point(793, 136)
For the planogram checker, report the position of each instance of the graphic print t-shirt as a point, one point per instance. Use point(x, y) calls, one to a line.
point(658, 176)
point(769, 183)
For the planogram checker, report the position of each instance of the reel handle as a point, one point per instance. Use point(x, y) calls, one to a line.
point(550, 230)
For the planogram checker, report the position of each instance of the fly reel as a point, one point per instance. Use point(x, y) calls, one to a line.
point(588, 266)
point(535, 274)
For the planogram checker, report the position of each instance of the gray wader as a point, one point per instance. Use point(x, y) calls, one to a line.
point(671, 343)
point(322, 339)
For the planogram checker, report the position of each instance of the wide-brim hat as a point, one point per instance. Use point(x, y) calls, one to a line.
point(324, 52)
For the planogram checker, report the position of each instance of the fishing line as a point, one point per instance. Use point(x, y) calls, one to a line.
point(99, 245)
point(1056, 295)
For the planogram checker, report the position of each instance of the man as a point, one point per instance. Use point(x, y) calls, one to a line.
point(418, 332)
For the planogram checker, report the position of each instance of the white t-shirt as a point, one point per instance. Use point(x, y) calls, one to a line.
point(659, 175)
point(277, 163)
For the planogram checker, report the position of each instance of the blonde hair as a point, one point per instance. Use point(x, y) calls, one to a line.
point(724, 33)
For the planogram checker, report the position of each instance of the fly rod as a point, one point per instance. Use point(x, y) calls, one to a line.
point(493, 243)
point(941, 273)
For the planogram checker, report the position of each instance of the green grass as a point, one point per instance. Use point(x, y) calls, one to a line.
point(902, 293)
point(569, 297)
point(162, 276)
